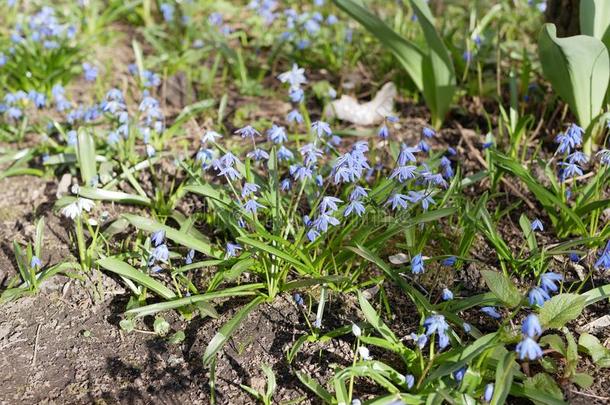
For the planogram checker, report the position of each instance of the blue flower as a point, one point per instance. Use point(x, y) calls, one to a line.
point(397, 200)
point(417, 196)
point(459, 374)
point(295, 77)
point(298, 299)
point(248, 132)
point(489, 392)
point(447, 295)
point(294, 116)
point(574, 257)
point(537, 225)
point(384, 132)
point(310, 154)
point(491, 311)
point(570, 139)
point(232, 249)
point(354, 206)
point(248, 189)
point(284, 153)
point(528, 348)
point(604, 156)
point(537, 296)
point(423, 146)
point(285, 185)
point(168, 12)
point(420, 340)
point(35, 262)
point(428, 132)
point(329, 204)
point(321, 128)
point(578, 157)
point(158, 237)
point(437, 324)
point(547, 281)
point(467, 327)
point(188, 259)
point(210, 136)
point(603, 262)
point(357, 193)
point(37, 98)
point(450, 261)
point(404, 173)
point(531, 326)
point(300, 172)
point(569, 170)
point(312, 235)
point(160, 253)
point(409, 380)
point(447, 169)
point(417, 264)
point(323, 220)
point(277, 134)
point(251, 206)
point(407, 154)
point(90, 72)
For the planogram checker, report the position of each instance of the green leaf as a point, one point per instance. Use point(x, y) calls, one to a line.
point(125, 270)
point(408, 54)
point(546, 386)
point(583, 380)
point(182, 238)
point(85, 154)
point(598, 352)
point(114, 196)
point(502, 287)
point(315, 386)
point(561, 309)
point(438, 71)
point(161, 326)
point(272, 251)
point(373, 318)
point(597, 294)
point(271, 383)
point(528, 232)
point(227, 330)
point(177, 338)
point(578, 68)
point(595, 19)
point(505, 373)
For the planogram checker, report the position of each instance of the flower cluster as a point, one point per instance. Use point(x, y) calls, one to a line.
point(538, 295)
point(528, 348)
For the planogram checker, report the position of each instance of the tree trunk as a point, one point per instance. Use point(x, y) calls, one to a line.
point(564, 14)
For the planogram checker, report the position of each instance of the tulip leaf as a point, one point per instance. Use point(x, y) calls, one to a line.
point(595, 19)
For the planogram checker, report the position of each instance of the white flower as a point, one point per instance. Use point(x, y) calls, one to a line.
point(75, 208)
point(210, 136)
point(356, 330)
point(295, 76)
point(364, 353)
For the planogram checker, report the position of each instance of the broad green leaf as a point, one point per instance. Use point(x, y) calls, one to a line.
point(595, 19)
point(373, 318)
point(578, 68)
point(438, 71)
point(227, 330)
point(597, 294)
point(502, 287)
point(315, 386)
point(123, 269)
point(114, 196)
point(408, 54)
point(182, 238)
point(561, 309)
point(85, 153)
point(583, 380)
point(598, 352)
point(457, 358)
point(545, 385)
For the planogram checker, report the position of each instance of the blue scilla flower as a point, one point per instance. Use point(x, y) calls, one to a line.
point(323, 220)
point(423, 146)
point(574, 258)
point(570, 139)
point(150, 151)
point(417, 264)
point(603, 262)
point(437, 324)
point(548, 279)
point(467, 327)
point(313, 234)
point(300, 172)
point(384, 132)
point(446, 166)
point(531, 326)
point(298, 299)
point(248, 132)
point(404, 173)
point(569, 170)
point(467, 56)
point(158, 237)
point(230, 172)
point(537, 296)
point(329, 204)
point(258, 154)
point(331, 19)
point(428, 132)
point(249, 189)
point(72, 138)
point(204, 156)
point(321, 128)
point(536, 225)
point(355, 206)
point(528, 349)
point(357, 193)
point(447, 295)
point(419, 196)
point(410, 381)
point(451, 151)
point(168, 12)
point(492, 312)
point(295, 77)
point(232, 249)
point(294, 116)
point(397, 200)
point(14, 113)
point(488, 393)
point(578, 157)
point(160, 254)
point(604, 156)
point(449, 261)
point(35, 262)
point(310, 154)
point(90, 72)
point(188, 259)
point(459, 374)
point(420, 340)
point(251, 206)
point(37, 98)
point(277, 134)
point(407, 154)
point(285, 185)
point(312, 27)
point(283, 153)
point(150, 79)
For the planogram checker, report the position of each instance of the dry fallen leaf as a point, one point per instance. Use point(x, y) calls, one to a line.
point(347, 108)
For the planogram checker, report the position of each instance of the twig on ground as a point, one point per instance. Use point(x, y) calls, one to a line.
point(584, 394)
point(36, 344)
